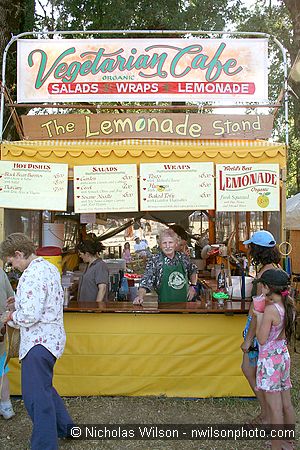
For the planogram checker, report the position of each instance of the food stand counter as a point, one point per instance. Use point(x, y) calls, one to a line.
point(177, 350)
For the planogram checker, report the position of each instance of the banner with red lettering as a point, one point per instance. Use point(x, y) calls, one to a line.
point(194, 69)
point(248, 187)
point(29, 185)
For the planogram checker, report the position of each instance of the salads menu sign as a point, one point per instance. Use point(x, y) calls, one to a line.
point(105, 188)
point(29, 185)
point(193, 69)
point(248, 187)
point(177, 186)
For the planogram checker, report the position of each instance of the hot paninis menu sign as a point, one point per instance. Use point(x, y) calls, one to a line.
point(142, 70)
point(248, 187)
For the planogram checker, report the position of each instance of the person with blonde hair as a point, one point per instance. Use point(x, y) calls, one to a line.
point(38, 312)
point(170, 273)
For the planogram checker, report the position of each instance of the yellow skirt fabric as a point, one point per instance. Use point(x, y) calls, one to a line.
point(176, 355)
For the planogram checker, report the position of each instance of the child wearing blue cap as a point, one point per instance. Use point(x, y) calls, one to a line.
point(263, 238)
point(264, 255)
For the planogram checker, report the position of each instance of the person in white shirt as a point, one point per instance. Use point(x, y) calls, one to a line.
point(141, 247)
point(38, 312)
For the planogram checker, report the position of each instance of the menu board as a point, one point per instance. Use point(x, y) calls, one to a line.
point(31, 185)
point(248, 187)
point(105, 188)
point(177, 186)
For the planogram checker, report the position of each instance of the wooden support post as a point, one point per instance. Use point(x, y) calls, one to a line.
point(283, 206)
point(265, 220)
point(212, 226)
point(248, 216)
point(237, 237)
point(1, 229)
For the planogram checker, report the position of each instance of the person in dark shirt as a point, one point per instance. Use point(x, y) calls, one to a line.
point(93, 284)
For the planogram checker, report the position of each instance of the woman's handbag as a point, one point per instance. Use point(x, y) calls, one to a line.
point(13, 343)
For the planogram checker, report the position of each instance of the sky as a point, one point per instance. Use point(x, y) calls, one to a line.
point(252, 2)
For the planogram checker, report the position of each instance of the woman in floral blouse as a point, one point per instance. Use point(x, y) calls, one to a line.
point(38, 312)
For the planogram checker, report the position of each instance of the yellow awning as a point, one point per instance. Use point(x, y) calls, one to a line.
point(142, 151)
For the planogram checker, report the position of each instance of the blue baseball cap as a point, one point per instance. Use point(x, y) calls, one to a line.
point(263, 238)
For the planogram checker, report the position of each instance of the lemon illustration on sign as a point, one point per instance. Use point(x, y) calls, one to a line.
point(263, 200)
point(160, 188)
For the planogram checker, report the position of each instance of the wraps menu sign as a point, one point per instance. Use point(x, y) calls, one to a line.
point(72, 70)
point(248, 187)
point(28, 185)
point(105, 188)
point(176, 186)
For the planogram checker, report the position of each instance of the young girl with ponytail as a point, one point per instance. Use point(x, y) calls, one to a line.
point(274, 331)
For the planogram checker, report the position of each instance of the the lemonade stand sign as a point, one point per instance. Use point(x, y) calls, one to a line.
point(248, 187)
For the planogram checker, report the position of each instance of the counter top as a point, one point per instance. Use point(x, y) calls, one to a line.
point(230, 307)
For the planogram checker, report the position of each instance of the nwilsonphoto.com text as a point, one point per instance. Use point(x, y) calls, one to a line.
point(180, 432)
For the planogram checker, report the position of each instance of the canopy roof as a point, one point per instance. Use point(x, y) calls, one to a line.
point(293, 212)
point(133, 151)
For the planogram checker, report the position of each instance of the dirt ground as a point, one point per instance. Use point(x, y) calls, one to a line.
point(15, 433)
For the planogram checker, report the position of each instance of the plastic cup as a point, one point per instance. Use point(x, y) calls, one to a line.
point(259, 302)
point(208, 298)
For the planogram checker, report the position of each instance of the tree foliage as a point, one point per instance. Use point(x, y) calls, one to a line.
point(15, 17)
point(281, 20)
point(138, 14)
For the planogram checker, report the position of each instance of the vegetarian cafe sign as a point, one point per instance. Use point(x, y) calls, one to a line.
point(28, 185)
point(247, 187)
point(155, 126)
point(194, 69)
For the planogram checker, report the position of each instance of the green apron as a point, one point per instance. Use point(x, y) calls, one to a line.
point(174, 284)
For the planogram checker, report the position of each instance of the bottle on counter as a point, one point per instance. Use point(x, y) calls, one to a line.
point(66, 296)
point(252, 271)
point(123, 287)
point(221, 280)
point(222, 292)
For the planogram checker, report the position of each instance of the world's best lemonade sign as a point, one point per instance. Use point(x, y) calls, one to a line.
point(142, 70)
point(247, 187)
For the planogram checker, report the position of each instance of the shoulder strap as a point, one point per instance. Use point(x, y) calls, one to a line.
point(296, 332)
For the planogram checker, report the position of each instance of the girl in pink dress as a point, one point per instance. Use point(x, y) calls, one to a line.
point(274, 330)
point(126, 252)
